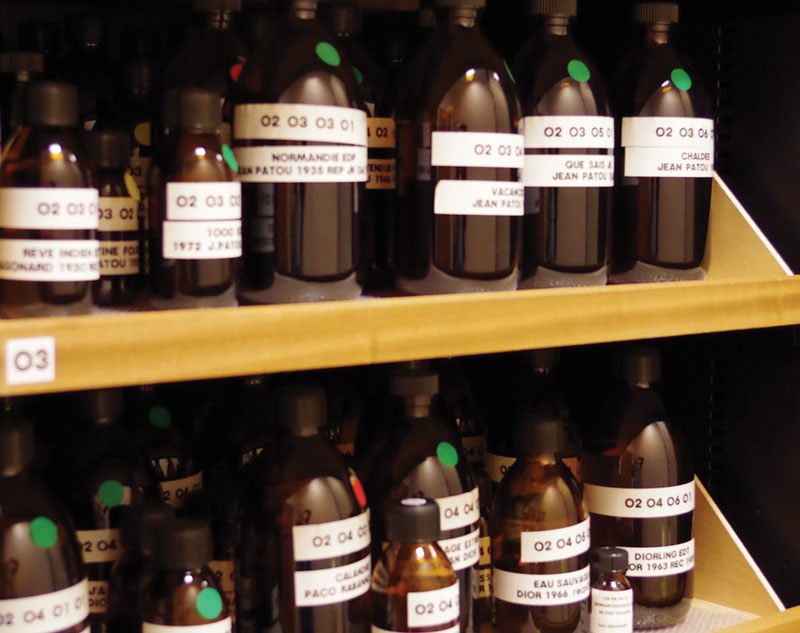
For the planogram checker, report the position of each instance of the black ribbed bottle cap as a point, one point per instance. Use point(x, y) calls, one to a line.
point(17, 445)
point(21, 62)
point(342, 18)
point(407, 382)
point(426, 18)
point(308, 5)
point(138, 42)
point(537, 436)
point(461, 4)
point(656, 12)
point(199, 109)
point(43, 36)
point(103, 405)
point(610, 560)
point(544, 358)
point(140, 76)
point(567, 8)
point(109, 149)
point(141, 525)
point(413, 520)
point(51, 103)
point(218, 5)
point(642, 364)
point(303, 409)
point(184, 544)
point(85, 30)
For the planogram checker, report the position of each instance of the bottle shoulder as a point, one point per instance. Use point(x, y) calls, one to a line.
point(46, 157)
point(196, 157)
point(413, 567)
point(176, 598)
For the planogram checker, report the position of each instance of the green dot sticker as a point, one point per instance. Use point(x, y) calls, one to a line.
point(327, 53)
point(447, 453)
point(111, 493)
point(578, 71)
point(680, 79)
point(209, 603)
point(508, 70)
point(359, 75)
point(44, 532)
point(230, 158)
point(160, 417)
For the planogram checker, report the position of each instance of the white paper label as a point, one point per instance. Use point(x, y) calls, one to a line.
point(48, 612)
point(477, 149)
point(649, 562)
point(334, 538)
point(462, 551)
point(452, 629)
point(176, 491)
point(678, 132)
point(307, 163)
point(48, 208)
point(485, 570)
point(474, 447)
point(329, 586)
point(30, 360)
point(541, 590)
point(668, 162)
point(381, 132)
point(98, 596)
point(222, 626)
point(118, 214)
point(204, 201)
point(497, 466)
point(202, 240)
point(479, 197)
point(432, 608)
point(381, 173)
point(100, 546)
point(299, 122)
point(49, 260)
point(639, 503)
point(611, 612)
point(568, 170)
point(548, 545)
point(561, 132)
point(119, 257)
point(224, 571)
point(458, 511)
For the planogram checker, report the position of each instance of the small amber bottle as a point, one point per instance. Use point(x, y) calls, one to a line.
point(195, 211)
point(414, 586)
point(611, 606)
point(183, 591)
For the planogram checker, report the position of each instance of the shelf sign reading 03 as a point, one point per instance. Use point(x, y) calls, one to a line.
point(30, 360)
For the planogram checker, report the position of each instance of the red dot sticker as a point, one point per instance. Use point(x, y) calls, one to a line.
point(358, 489)
point(236, 70)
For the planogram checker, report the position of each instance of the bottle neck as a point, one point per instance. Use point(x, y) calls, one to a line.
point(458, 18)
point(219, 20)
point(546, 459)
point(657, 33)
point(417, 407)
point(557, 25)
point(303, 10)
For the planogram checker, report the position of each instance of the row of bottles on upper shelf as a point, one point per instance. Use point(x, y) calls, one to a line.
point(475, 180)
point(295, 541)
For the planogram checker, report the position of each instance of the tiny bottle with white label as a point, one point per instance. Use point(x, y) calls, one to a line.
point(639, 489)
point(300, 137)
point(195, 211)
point(182, 591)
point(540, 535)
point(665, 158)
point(569, 161)
point(48, 210)
point(121, 279)
point(414, 587)
point(303, 550)
point(421, 457)
point(46, 576)
point(460, 202)
point(611, 606)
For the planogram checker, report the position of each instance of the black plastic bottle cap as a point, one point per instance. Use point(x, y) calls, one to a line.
point(656, 12)
point(567, 8)
point(43, 36)
point(109, 149)
point(408, 382)
point(142, 525)
point(140, 76)
point(21, 62)
point(218, 5)
point(85, 30)
point(426, 18)
point(538, 436)
point(17, 446)
point(544, 358)
point(104, 405)
point(303, 409)
point(461, 4)
point(413, 520)
point(199, 109)
point(343, 18)
point(184, 544)
point(51, 103)
point(307, 5)
point(642, 365)
point(610, 560)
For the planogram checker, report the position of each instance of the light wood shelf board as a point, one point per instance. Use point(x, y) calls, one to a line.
point(782, 622)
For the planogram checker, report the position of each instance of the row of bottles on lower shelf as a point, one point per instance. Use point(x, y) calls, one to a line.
point(233, 507)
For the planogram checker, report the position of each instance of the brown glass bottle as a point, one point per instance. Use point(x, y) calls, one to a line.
point(303, 560)
point(540, 532)
point(41, 556)
point(414, 586)
point(195, 211)
point(639, 489)
point(300, 139)
point(454, 234)
point(48, 210)
point(664, 161)
point(569, 170)
point(611, 606)
point(182, 590)
point(121, 279)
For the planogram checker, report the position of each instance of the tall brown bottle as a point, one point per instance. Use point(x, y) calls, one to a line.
point(639, 489)
point(195, 211)
point(459, 156)
point(48, 210)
